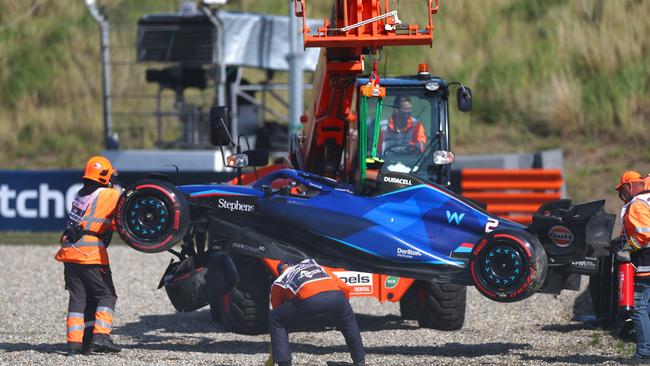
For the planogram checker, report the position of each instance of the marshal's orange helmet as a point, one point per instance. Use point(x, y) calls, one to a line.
point(99, 169)
point(629, 177)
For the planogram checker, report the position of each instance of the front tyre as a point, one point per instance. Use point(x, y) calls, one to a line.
point(508, 265)
point(152, 216)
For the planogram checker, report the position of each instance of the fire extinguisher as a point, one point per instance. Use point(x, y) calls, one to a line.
point(626, 286)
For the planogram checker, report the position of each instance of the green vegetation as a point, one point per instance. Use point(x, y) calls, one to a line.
point(596, 340)
point(40, 238)
point(570, 74)
point(624, 348)
point(26, 237)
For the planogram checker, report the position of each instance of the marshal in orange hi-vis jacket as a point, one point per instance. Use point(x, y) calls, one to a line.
point(83, 252)
point(304, 287)
point(93, 214)
point(304, 292)
point(634, 190)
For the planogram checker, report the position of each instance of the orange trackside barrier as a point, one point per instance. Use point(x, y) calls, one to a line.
point(512, 194)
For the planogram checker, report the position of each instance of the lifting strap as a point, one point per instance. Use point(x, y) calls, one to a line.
point(371, 90)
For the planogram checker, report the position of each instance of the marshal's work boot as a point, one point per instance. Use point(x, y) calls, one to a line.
point(74, 351)
point(74, 348)
point(104, 343)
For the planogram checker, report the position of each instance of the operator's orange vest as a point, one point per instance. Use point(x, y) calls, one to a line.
point(412, 134)
point(98, 219)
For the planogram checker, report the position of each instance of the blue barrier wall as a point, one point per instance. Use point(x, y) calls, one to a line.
point(40, 200)
point(36, 200)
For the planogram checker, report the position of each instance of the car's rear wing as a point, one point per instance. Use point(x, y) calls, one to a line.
point(571, 232)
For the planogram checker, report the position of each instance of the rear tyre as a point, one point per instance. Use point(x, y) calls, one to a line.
point(603, 288)
point(508, 265)
point(435, 305)
point(152, 216)
point(245, 309)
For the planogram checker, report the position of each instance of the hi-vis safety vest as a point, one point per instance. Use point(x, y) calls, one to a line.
point(304, 280)
point(295, 277)
point(412, 134)
point(93, 214)
point(635, 216)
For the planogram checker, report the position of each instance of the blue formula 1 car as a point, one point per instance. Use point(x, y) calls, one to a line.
point(399, 224)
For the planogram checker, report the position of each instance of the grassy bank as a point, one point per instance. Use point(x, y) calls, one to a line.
point(570, 74)
point(41, 238)
point(26, 237)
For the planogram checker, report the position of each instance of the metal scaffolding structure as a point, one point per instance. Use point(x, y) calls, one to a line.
point(158, 86)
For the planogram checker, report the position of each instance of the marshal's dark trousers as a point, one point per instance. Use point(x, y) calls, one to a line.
point(640, 317)
point(331, 305)
point(92, 294)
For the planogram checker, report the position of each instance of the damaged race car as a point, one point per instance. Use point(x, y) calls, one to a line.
point(397, 224)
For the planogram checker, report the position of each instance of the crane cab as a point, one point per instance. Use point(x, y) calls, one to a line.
point(413, 127)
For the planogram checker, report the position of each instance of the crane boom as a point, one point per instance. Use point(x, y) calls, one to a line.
point(356, 28)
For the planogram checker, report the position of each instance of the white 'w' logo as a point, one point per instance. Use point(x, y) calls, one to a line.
point(455, 217)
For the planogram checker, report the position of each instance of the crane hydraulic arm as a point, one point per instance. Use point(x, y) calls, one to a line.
point(356, 28)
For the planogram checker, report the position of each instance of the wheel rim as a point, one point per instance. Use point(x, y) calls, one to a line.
point(502, 267)
point(148, 218)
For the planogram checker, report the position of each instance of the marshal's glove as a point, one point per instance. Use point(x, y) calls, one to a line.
point(623, 254)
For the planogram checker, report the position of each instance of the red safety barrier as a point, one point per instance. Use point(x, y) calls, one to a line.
point(512, 194)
